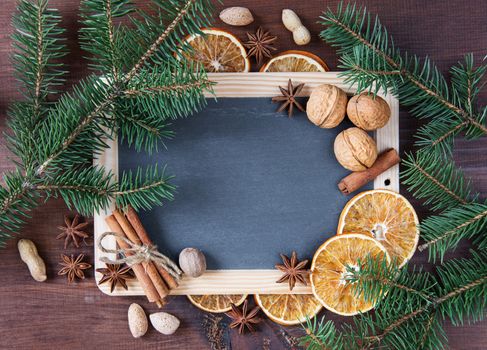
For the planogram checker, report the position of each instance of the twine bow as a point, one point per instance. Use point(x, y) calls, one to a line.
point(138, 254)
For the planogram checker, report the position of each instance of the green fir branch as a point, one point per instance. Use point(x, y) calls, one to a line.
point(409, 320)
point(321, 336)
point(463, 289)
point(154, 97)
point(144, 189)
point(16, 201)
point(38, 47)
point(436, 179)
point(86, 190)
point(176, 19)
point(371, 59)
point(83, 112)
point(99, 35)
point(377, 278)
point(76, 127)
point(443, 232)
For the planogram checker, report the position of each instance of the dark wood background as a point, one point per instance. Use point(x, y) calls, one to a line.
point(56, 315)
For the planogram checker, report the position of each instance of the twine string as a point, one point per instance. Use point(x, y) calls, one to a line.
point(137, 254)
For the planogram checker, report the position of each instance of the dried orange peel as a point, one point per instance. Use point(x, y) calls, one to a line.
point(288, 309)
point(217, 303)
point(218, 51)
point(386, 216)
point(330, 272)
point(295, 61)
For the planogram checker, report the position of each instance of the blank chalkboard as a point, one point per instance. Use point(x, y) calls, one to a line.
point(251, 183)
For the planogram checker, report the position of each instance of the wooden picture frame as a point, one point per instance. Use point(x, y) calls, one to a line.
point(249, 281)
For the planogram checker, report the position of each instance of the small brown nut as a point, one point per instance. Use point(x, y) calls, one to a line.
point(368, 112)
point(29, 255)
point(164, 323)
point(137, 319)
point(355, 150)
point(192, 261)
point(236, 16)
point(326, 106)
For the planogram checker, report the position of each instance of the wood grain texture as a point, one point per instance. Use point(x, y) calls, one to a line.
point(247, 281)
point(55, 315)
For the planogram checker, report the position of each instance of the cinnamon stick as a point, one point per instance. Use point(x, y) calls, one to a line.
point(134, 220)
point(150, 267)
point(357, 179)
point(139, 271)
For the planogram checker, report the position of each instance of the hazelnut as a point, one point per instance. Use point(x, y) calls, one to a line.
point(192, 261)
point(326, 106)
point(368, 112)
point(355, 150)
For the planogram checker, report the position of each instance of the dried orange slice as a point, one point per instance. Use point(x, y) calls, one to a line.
point(295, 61)
point(218, 51)
point(386, 216)
point(217, 303)
point(288, 309)
point(329, 272)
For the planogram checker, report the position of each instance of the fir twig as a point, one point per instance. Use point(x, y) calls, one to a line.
point(55, 155)
point(370, 58)
point(458, 293)
point(443, 232)
point(436, 178)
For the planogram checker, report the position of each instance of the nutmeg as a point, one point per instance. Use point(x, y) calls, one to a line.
point(192, 261)
point(355, 150)
point(326, 106)
point(368, 112)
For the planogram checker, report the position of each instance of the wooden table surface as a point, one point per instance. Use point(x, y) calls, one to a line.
point(55, 315)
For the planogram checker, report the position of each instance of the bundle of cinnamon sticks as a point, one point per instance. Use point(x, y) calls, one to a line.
point(156, 281)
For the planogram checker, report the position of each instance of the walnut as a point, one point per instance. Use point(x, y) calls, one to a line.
point(355, 150)
point(326, 106)
point(368, 112)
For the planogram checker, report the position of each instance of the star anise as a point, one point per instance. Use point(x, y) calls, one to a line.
point(116, 274)
point(72, 231)
point(288, 98)
point(72, 267)
point(260, 44)
point(294, 271)
point(241, 318)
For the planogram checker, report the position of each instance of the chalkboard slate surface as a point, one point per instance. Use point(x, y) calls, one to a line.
point(252, 183)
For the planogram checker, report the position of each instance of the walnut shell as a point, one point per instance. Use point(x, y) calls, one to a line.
point(326, 106)
point(355, 150)
point(192, 261)
point(367, 112)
